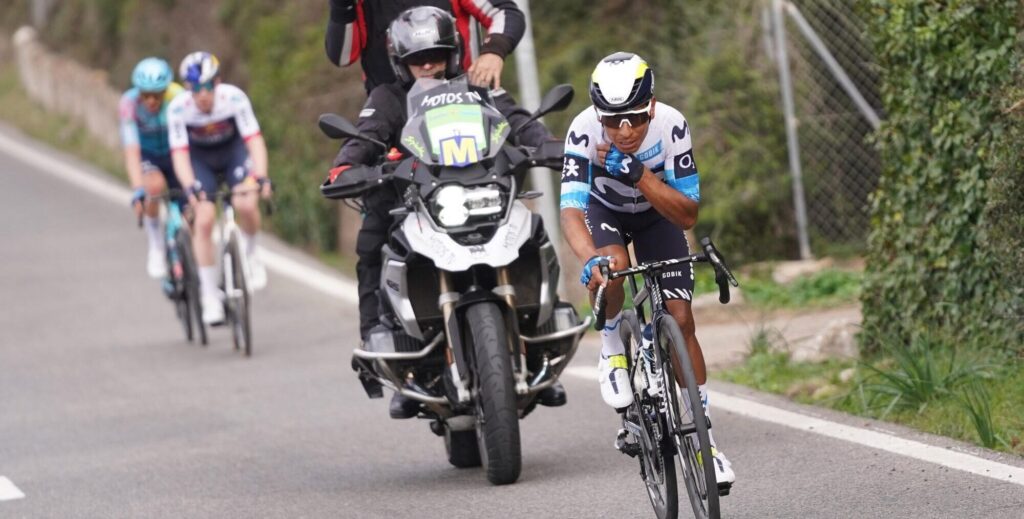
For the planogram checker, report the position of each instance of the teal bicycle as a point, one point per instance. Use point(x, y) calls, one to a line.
point(181, 285)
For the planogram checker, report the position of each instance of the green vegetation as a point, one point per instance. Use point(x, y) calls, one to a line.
point(933, 261)
point(823, 289)
point(963, 391)
point(708, 63)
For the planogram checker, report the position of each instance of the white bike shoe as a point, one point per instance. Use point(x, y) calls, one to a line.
point(213, 309)
point(156, 264)
point(614, 379)
point(723, 471)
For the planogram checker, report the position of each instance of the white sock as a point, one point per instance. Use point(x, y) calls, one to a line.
point(249, 242)
point(208, 281)
point(611, 341)
point(152, 226)
point(702, 390)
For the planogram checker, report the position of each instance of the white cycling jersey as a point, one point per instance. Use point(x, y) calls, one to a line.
point(231, 118)
point(666, 150)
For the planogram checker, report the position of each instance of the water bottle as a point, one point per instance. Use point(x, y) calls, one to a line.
point(646, 343)
point(653, 380)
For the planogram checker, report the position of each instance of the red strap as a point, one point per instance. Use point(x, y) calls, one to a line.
point(358, 33)
point(333, 174)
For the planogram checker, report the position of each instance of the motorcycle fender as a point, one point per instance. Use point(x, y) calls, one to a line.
point(457, 320)
point(449, 255)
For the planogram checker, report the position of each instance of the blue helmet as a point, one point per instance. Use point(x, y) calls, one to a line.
point(152, 75)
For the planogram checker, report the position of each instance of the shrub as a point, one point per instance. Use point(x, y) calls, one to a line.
point(931, 259)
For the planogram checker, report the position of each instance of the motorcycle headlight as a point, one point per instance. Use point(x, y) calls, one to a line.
point(453, 206)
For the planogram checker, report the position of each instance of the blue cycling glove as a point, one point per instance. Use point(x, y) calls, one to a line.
point(588, 268)
point(137, 196)
point(623, 165)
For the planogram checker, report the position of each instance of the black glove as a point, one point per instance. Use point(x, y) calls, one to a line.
point(623, 165)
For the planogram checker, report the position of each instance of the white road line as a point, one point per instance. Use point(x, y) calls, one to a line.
point(332, 286)
point(874, 439)
point(9, 492)
point(336, 286)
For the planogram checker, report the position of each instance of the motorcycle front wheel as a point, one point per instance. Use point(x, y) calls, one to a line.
point(497, 427)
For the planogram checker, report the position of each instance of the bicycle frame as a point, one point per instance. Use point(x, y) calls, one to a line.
point(655, 412)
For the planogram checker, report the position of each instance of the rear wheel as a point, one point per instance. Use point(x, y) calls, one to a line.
point(191, 282)
point(657, 467)
point(497, 427)
point(176, 278)
point(462, 448)
point(693, 447)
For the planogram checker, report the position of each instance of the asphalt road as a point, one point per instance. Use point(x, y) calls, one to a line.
point(105, 410)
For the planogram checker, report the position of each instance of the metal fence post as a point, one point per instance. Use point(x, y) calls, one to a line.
point(529, 87)
point(793, 144)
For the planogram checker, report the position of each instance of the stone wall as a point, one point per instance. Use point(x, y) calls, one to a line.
point(63, 86)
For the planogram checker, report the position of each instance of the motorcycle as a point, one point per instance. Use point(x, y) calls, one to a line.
point(469, 274)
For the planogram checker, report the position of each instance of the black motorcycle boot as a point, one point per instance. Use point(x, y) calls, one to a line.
point(552, 396)
point(403, 407)
point(370, 385)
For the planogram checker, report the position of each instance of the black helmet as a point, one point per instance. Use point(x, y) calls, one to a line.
point(621, 81)
point(420, 29)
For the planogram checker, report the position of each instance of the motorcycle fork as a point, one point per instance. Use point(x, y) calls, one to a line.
point(506, 290)
point(447, 301)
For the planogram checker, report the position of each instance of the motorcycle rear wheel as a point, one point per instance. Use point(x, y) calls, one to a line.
point(462, 448)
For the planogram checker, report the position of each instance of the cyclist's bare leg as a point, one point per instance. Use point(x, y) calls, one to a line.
point(154, 184)
point(682, 311)
point(202, 241)
point(615, 294)
point(246, 204)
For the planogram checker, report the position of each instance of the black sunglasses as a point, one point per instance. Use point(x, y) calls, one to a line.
point(634, 120)
point(421, 58)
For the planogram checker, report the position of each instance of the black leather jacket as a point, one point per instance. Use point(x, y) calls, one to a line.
point(384, 115)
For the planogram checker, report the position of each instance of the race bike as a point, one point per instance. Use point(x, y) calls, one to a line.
point(469, 275)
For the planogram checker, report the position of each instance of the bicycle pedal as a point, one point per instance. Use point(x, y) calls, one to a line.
point(629, 449)
point(724, 488)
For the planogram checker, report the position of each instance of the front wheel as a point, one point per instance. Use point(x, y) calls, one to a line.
point(497, 418)
point(657, 467)
point(237, 293)
point(690, 430)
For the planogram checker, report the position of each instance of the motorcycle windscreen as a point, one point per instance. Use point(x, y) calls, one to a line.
point(452, 123)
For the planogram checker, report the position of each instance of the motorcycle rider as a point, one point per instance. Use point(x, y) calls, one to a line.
point(357, 29)
point(147, 157)
point(629, 176)
point(412, 57)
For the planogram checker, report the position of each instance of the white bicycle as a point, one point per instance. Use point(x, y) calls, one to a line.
point(234, 270)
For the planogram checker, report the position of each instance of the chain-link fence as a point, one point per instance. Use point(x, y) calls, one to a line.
point(836, 106)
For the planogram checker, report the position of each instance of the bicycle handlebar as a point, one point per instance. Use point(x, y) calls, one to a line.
point(723, 277)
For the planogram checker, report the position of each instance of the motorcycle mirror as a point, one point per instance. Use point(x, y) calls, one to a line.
point(557, 99)
point(337, 127)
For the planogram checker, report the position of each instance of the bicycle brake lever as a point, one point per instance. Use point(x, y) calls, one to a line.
point(600, 307)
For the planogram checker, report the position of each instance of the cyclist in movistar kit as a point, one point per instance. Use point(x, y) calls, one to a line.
point(214, 138)
point(629, 176)
point(147, 158)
